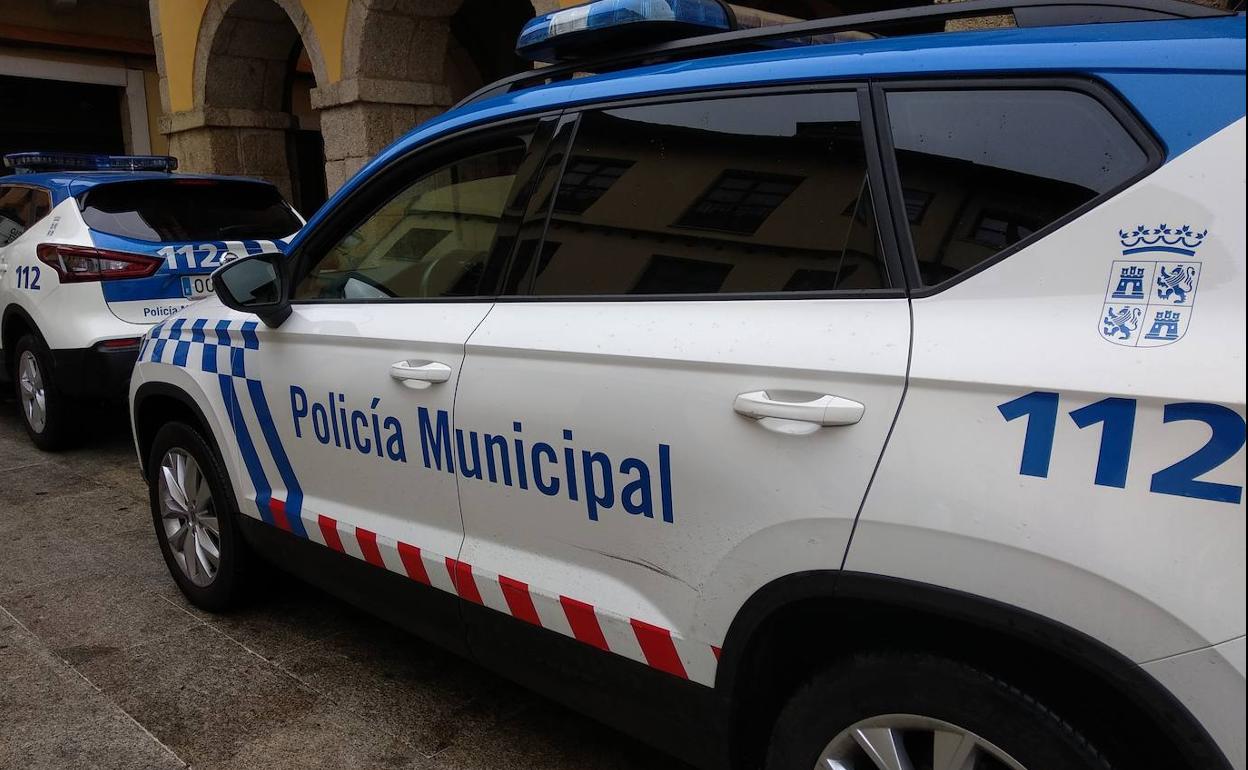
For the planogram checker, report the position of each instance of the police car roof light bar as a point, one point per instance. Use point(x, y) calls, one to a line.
point(34, 162)
point(569, 33)
point(1027, 13)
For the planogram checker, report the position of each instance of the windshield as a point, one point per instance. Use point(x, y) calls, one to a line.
point(188, 210)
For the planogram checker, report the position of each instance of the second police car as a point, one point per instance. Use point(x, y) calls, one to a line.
point(819, 396)
point(94, 250)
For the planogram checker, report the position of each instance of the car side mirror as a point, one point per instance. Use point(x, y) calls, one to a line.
point(256, 285)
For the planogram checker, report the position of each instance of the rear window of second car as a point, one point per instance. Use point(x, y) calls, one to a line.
point(188, 210)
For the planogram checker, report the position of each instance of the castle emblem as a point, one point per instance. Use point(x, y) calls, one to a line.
point(1148, 302)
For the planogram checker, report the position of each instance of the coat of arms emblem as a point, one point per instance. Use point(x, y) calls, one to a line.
point(1149, 302)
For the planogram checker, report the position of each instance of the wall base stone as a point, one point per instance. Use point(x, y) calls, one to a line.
point(257, 152)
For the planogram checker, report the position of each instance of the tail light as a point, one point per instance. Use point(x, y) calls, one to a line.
point(78, 264)
point(117, 346)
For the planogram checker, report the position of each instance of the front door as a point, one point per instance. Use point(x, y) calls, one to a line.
point(384, 301)
point(691, 399)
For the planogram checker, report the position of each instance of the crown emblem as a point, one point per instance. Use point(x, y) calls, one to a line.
point(1171, 240)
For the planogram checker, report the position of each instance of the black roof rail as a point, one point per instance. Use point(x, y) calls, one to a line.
point(1027, 13)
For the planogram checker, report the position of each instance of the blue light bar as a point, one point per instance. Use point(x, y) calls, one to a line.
point(599, 26)
point(34, 162)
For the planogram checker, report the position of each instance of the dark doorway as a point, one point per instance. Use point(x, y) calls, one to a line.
point(38, 114)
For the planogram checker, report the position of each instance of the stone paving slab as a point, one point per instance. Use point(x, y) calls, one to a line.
point(103, 664)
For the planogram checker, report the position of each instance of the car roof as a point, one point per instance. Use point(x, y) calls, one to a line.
point(67, 184)
point(1128, 56)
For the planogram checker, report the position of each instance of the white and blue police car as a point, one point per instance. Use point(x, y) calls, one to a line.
point(94, 250)
point(850, 393)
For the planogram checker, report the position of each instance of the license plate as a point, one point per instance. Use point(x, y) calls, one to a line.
point(196, 286)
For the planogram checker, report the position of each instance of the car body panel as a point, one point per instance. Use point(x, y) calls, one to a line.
point(1147, 573)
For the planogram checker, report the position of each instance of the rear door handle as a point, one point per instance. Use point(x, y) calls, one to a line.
point(420, 371)
point(797, 412)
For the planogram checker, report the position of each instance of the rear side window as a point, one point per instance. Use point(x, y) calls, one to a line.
point(982, 170)
point(15, 213)
point(188, 210)
point(745, 195)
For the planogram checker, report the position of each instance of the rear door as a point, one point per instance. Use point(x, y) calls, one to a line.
point(690, 396)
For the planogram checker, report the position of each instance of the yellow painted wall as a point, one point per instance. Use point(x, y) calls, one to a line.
point(180, 21)
point(329, 22)
point(179, 30)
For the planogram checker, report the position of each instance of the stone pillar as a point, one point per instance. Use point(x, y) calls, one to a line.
point(359, 117)
point(394, 77)
point(231, 141)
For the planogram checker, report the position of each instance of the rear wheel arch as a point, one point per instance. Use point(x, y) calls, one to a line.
point(15, 324)
point(804, 623)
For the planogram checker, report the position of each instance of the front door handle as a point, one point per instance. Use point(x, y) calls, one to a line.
point(797, 412)
point(420, 371)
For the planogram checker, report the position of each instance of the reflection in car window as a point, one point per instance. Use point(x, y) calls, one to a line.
point(14, 213)
point(430, 240)
point(188, 209)
point(991, 167)
point(741, 195)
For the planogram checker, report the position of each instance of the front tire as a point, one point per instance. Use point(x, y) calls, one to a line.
point(196, 522)
point(905, 710)
point(47, 414)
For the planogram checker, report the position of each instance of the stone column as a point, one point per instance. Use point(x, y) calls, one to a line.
point(359, 117)
point(394, 77)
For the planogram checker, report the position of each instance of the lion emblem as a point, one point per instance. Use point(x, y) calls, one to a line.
point(1122, 322)
point(1176, 283)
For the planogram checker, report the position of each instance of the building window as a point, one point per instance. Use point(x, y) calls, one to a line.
point(586, 180)
point(999, 229)
point(739, 201)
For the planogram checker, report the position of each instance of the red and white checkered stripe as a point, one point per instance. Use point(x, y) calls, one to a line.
point(635, 639)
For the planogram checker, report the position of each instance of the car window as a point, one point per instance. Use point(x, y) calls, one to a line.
point(744, 195)
point(188, 209)
point(982, 170)
point(15, 215)
point(42, 203)
point(430, 240)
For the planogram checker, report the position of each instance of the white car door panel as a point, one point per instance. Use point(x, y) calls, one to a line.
point(340, 416)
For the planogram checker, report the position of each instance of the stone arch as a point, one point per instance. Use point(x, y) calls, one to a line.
point(252, 38)
point(243, 79)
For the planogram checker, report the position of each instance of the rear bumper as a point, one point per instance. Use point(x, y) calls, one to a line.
point(94, 373)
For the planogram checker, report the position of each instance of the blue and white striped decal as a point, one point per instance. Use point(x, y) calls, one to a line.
point(180, 259)
point(221, 350)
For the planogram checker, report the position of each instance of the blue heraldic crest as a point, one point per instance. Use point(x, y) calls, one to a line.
point(1122, 322)
point(1153, 296)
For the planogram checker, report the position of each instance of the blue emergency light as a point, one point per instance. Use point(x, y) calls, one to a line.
point(34, 162)
point(605, 25)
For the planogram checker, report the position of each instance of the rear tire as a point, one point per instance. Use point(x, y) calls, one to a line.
point(48, 415)
point(927, 706)
point(195, 518)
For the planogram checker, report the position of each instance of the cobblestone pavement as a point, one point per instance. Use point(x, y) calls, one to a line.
point(103, 664)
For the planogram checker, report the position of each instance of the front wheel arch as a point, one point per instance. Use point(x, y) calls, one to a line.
point(157, 403)
point(803, 623)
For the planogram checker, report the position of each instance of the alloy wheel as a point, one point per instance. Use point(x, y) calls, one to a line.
point(32, 392)
point(910, 742)
point(189, 516)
